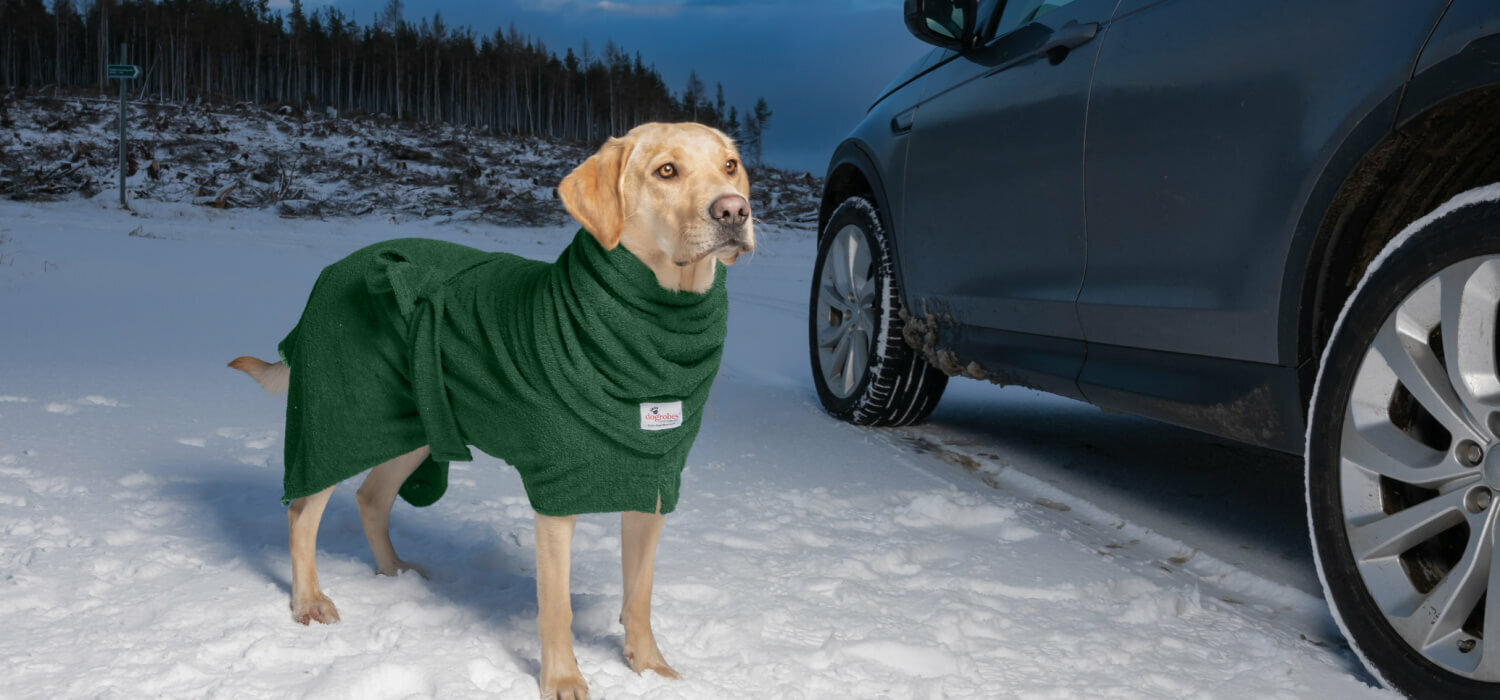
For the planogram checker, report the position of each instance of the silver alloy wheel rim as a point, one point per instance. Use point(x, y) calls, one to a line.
point(1417, 508)
point(845, 311)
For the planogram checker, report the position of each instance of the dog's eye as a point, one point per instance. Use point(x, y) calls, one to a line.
point(667, 172)
point(732, 166)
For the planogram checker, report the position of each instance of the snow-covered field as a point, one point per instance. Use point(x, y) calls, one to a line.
point(309, 164)
point(1020, 546)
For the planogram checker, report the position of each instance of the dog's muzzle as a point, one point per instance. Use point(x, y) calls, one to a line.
point(730, 211)
point(729, 236)
point(732, 214)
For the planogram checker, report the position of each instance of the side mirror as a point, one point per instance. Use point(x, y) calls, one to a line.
point(945, 23)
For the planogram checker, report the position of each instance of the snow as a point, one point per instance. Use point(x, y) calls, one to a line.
point(143, 548)
point(310, 165)
point(310, 158)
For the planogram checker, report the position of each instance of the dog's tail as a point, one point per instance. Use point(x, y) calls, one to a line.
point(274, 378)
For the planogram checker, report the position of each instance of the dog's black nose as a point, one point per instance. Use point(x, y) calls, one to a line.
point(730, 210)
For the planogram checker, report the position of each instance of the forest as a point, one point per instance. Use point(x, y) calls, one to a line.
point(239, 51)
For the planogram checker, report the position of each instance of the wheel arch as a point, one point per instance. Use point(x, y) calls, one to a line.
point(1401, 162)
point(852, 173)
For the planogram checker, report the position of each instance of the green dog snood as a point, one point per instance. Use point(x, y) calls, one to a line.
point(584, 374)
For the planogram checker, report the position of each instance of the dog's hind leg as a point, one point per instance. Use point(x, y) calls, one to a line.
point(375, 498)
point(560, 678)
point(639, 533)
point(308, 601)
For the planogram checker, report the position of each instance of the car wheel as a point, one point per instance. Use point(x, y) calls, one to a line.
point(864, 370)
point(1403, 461)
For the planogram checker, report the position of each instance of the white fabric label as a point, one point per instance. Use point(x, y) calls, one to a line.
point(661, 416)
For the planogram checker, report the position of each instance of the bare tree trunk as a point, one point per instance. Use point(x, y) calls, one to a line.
point(103, 43)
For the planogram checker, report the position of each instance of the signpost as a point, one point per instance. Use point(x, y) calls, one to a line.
point(122, 72)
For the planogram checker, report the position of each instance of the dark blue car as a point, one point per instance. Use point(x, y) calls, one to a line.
point(1266, 220)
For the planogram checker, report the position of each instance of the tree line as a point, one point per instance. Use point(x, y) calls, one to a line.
point(232, 51)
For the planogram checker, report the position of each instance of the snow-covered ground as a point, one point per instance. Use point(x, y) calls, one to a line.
point(309, 164)
point(1019, 546)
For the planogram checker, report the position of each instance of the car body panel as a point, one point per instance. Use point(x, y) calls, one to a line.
point(878, 153)
point(1464, 22)
point(1000, 217)
point(1306, 260)
point(1463, 53)
point(917, 69)
point(1251, 402)
point(1198, 170)
point(1193, 306)
point(1008, 358)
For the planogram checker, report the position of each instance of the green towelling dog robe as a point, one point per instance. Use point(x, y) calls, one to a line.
point(584, 374)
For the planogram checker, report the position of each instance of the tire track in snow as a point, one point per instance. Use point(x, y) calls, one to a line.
point(1146, 552)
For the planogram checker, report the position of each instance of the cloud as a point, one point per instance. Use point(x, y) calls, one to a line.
point(639, 9)
point(668, 8)
point(307, 5)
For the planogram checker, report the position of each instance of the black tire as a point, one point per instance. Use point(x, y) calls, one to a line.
point(896, 386)
point(1346, 496)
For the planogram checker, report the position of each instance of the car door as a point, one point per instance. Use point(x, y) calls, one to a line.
point(1208, 124)
point(992, 231)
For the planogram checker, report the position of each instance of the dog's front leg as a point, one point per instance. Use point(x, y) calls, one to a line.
point(560, 678)
point(639, 533)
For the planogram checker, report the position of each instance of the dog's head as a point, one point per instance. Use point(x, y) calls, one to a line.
point(672, 193)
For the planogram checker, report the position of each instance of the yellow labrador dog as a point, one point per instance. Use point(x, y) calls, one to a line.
point(674, 196)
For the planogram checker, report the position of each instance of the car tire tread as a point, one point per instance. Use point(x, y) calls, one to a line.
point(899, 386)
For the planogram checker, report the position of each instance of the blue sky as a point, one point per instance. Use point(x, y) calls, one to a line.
point(818, 63)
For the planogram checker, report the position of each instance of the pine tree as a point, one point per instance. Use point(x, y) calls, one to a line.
point(761, 118)
point(390, 18)
point(718, 118)
point(692, 95)
point(298, 22)
point(732, 125)
point(248, 51)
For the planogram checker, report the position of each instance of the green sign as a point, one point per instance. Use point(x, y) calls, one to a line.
point(118, 70)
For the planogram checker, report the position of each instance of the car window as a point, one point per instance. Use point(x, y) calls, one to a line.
point(1021, 12)
point(987, 17)
point(949, 24)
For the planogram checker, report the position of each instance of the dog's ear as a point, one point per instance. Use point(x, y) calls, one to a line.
point(594, 193)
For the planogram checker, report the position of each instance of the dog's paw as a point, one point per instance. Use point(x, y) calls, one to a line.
point(402, 567)
point(316, 607)
point(565, 688)
point(649, 659)
point(661, 669)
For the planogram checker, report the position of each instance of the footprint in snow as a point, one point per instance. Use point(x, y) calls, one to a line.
point(69, 408)
point(9, 462)
point(252, 440)
point(139, 479)
point(262, 442)
point(8, 468)
point(922, 662)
